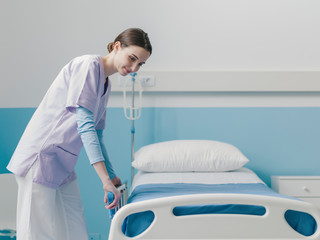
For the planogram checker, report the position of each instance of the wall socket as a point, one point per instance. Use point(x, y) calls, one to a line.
point(94, 236)
point(147, 81)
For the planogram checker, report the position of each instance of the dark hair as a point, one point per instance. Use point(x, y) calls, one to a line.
point(133, 36)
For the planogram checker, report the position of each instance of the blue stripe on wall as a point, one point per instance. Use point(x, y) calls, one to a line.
point(277, 141)
point(13, 121)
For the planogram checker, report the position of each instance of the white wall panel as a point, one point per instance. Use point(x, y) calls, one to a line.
point(191, 39)
point(229, 81)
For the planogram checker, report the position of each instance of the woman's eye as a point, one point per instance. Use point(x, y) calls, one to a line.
point(132, 58)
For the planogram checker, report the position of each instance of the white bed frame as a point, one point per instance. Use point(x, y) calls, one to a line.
point(272, 225)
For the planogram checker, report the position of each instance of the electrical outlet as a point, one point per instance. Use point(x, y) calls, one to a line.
point(94, 236)
point(147, 81)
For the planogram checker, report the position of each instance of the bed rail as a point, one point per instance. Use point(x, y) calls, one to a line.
point(123, 189)
point(271, 225)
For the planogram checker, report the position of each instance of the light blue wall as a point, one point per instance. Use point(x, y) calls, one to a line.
point(276, 140)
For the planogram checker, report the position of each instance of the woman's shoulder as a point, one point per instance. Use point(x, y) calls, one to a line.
point(84, 61)
point(87, 58)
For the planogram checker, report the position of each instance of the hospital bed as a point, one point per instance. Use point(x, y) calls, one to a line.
point(227, 201)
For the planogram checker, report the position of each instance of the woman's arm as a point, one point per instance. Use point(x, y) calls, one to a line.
point(114, 179)
point(89, 136)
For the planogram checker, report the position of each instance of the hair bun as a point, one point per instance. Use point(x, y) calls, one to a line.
point(110, 46)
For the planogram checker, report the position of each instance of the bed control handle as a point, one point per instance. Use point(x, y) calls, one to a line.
point(110, 198)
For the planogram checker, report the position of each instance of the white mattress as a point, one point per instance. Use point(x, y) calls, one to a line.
point(242, 175)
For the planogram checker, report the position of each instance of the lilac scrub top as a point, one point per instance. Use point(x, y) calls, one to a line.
point(51, 138)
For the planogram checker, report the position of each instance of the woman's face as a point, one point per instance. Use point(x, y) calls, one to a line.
point(129, 59)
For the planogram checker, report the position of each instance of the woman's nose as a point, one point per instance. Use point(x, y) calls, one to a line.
point(135, 68)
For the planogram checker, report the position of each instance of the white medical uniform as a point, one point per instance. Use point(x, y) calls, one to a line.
point(49, 204)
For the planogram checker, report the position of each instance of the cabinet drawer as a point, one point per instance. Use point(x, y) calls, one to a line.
point(299, 188)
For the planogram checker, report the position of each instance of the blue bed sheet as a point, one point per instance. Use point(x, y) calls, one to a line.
point(137, 223)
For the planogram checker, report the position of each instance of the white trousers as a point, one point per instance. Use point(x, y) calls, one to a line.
point(45, 213)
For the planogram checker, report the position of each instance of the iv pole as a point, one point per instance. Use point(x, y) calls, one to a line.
point(134, 112)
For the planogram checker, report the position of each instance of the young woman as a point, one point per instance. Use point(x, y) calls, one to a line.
point(71, 115)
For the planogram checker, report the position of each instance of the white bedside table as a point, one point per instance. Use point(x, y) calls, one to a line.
point(306, 188)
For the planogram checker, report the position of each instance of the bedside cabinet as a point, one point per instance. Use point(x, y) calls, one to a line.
point(306, 188)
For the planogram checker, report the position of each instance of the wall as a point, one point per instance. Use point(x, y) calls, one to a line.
point(278, 132)
point(39, 37)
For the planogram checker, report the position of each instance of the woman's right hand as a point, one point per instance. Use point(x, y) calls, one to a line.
point(109, 187)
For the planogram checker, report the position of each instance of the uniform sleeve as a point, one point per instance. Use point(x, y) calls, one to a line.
point(84, 85)
point(102, 123)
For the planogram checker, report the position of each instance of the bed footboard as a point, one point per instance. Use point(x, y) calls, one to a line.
point(271, 225)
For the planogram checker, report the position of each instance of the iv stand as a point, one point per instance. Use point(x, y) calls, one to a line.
point(133, 130)
point(134, 113)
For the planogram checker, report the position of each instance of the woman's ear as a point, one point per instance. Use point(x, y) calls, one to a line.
point(117, 45)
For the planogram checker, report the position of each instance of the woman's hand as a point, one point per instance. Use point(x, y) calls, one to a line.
point(116, 181)
point(109, 187)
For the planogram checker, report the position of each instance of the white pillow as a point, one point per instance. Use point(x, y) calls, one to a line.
point(189, 155)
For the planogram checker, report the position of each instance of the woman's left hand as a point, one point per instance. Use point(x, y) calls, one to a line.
point(116, 181)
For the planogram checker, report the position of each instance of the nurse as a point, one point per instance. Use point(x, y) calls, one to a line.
point(72, 114)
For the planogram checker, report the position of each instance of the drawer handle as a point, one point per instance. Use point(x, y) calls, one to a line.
point(305, 189)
